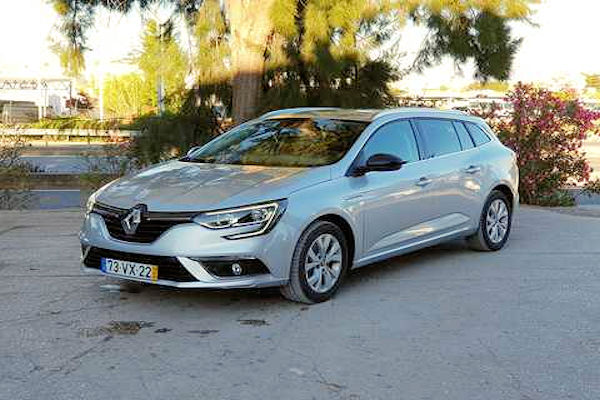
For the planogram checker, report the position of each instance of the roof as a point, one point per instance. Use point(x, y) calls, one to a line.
point(365, 115)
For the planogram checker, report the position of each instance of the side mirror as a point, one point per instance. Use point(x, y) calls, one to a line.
point(379, 162)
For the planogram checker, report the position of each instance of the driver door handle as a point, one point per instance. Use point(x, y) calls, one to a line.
point(423, 181)
point(472, 169)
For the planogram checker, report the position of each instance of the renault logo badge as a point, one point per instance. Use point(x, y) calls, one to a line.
point(133, 219)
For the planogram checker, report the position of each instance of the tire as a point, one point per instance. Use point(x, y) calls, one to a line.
point(311, 287)
point(482, 240)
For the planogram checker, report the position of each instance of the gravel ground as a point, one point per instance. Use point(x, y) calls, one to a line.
point(443, 323)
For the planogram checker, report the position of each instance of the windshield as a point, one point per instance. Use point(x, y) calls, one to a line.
point(292, 142)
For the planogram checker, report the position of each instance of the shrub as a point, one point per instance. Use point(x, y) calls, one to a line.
point(115, 161)
point(546, 130)
point(66, 123)
point(163, 138)
point(15, 190)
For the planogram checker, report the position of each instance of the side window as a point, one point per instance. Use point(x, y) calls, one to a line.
point(439, 137)
point(478, 134)
point(396, 138)
point(465, 139)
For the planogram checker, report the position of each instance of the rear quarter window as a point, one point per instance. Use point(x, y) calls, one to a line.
point(463, 135)
point(479, 135)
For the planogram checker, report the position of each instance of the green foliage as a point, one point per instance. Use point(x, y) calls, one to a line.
point(212, 75)
point(115, 161)
point(556, 198)
point(210, 33)
point(15, 190)
point(320, 56)
point(190, 120)
point(591, 188)
point(484, 37)
point(126, 96)
point(65, 123)
point(546, 130)
point(161, 58)
point(76, 18)
point(319, 50)
point(71, 59)
point(171, 136)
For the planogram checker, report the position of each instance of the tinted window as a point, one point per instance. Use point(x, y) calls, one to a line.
point(396, 138)
point(289, 142)
point(438, 136)
point(463, 136)
point(478, 135)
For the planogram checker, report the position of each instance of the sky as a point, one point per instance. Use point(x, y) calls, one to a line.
point(560, 47)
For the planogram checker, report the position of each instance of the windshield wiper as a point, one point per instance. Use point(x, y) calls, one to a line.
point(198, 160)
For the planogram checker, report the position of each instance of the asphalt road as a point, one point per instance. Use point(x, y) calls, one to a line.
point(56, 199)
point(62, 164)
point(444, 323)
point(64, 158)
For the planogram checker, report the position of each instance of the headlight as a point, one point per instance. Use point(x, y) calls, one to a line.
point(255, 220)
point(90, 203)
point(92, 199)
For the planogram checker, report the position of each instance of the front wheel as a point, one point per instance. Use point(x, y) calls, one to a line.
point(319, 264)
point(494, 224)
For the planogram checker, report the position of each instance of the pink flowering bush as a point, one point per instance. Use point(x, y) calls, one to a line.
point(546, 130)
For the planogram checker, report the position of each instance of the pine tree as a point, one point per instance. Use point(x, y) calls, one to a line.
point(288, 52)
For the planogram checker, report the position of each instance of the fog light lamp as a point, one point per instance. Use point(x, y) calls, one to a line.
point(236, 269)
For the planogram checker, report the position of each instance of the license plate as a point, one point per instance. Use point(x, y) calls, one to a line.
point(129, 269)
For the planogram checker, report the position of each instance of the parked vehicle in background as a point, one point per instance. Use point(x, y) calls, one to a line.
point(486, 105)
point(298, 197)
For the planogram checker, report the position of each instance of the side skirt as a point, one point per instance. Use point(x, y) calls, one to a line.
point(407, 248)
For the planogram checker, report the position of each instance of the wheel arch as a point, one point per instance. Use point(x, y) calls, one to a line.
point(346, 229)
point(508, 192)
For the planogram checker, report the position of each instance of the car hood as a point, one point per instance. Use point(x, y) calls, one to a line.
point(184, 186)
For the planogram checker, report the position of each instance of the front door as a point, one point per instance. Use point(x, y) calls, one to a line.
point(392, 201)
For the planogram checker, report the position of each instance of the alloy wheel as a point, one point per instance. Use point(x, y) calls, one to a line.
point(323, 263)
point(496, 222)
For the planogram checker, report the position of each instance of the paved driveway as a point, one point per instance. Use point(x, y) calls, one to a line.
point(444, 323)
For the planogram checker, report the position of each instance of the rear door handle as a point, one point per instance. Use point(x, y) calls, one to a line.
point(472, 169)
point(423, 181)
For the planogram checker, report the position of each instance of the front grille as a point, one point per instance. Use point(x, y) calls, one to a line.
point(169, 268)
point(152, 226)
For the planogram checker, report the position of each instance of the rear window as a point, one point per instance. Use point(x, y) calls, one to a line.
point(439, 137)
point(479, 136)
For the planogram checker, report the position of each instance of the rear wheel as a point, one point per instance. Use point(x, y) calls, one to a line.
point(319, 264)
point(494, 224)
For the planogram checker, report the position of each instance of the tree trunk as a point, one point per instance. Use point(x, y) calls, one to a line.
point(250, 22)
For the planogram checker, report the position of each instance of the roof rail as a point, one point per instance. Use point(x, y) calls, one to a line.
point(296, 110)
point(419, 109)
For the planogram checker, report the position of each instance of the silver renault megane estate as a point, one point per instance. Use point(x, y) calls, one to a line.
point(298, 197)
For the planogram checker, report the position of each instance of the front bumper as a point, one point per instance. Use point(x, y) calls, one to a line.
point(214, 283)
point(182, 246)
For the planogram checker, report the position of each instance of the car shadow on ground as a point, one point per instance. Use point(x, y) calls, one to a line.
point(403, 266)
point(368, 277)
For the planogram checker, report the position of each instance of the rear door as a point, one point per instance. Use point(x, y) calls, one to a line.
point(448, 155)
point(474, 168)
